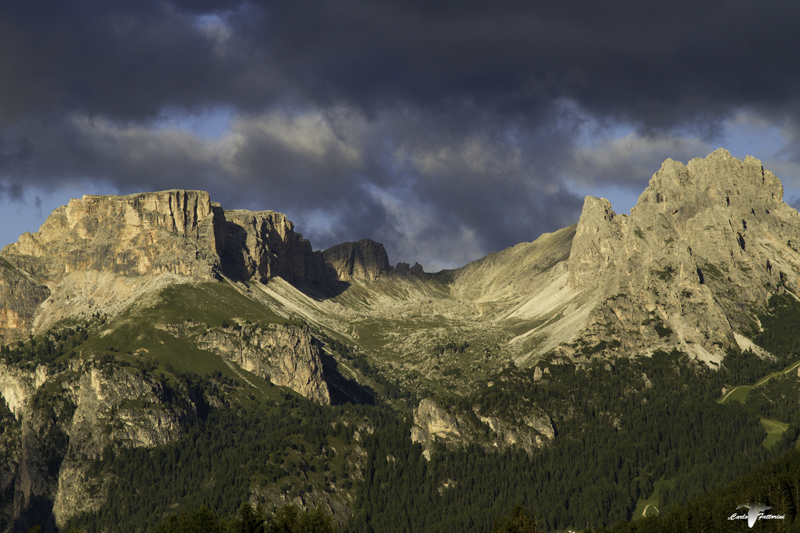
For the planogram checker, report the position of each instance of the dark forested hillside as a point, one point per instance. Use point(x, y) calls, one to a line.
point(623, 428)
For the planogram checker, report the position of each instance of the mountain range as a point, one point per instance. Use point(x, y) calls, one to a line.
point(132, 325)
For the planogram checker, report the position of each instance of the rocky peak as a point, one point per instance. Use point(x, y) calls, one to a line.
point(706, 243)
point(405, 268)
point(597, 237)
point(263, 244)
point(168, 231)
point(365, 259)
point(718, 181)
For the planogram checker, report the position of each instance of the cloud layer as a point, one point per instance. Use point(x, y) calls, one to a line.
point(446, 130)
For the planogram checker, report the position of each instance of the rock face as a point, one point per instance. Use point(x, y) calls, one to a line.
point(96, 253)
point(20, 296)
point(284, 355)
point(263, 245)
point(104, 251)
point(706, 244)
point(435, 424)
point(405, 268)
point(432, 424)
point(169, 231)
point(65, 422)
point(113, 408)
point(364, 259)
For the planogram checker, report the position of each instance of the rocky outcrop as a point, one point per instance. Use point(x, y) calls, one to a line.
point(365, 259)
point(170, 231)
point(17, 386)
point(114, 408)
point(705, 246)
point(98, 253)
point(103, 252)
point(262, 245)
point(67, 421)
point(284, 355)
point(20, 296)
point(405, 268)
point(435, 424)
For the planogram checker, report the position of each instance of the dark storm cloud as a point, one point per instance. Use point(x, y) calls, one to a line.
point(439, 127)
point(660, 65)
point(130, 60)
point(439, 196)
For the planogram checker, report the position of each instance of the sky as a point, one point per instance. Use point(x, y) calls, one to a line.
point(445, 130)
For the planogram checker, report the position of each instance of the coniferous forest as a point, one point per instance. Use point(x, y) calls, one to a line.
point(627, 429)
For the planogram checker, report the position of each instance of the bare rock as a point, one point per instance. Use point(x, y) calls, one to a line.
point(706, 244)
point(67, 421)
point(284, 355)
point(20, 296)
point(170, 231)
point(405, 268)
point(114, 408)
point(434, 424)
point(365, 259)
point(262, 245)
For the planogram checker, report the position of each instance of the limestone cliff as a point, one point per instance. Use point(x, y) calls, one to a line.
point(436, 424)
point(705, 246)
point(284, 355)
point(170, 231)
point(20, 296)
point(262, 245)
point(364, 259)
point(65, 422)
point(100, 253)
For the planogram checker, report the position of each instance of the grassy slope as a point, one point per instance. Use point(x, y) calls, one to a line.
point(650, 503)
point(775, 431)
point(741, 392)
point(140, 331)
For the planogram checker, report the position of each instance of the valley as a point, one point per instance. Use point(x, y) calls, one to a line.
point(160, 354)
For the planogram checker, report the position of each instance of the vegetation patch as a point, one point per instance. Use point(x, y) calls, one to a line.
point(662, 330)
point(775, 431)
point(451, 346)
point(711, 270)
point(5, 264)
point(666, 274)
point(600, 347)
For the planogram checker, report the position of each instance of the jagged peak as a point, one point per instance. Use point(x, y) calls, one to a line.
point(594, 207)
point(718, 180)
point(364, 259)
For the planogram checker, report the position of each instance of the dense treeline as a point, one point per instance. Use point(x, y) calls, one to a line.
point(780, 328)
point(45, 350)
point(621, 425)
point(296, 446)
point(775, 484)
point(286, 519)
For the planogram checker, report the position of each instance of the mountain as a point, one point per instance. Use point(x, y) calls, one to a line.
point(151, 328)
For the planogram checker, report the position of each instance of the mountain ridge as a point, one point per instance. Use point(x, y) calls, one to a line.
point(623, 278)
point(152, 309)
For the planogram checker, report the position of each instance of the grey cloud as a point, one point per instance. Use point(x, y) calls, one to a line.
point(690, 64)
point(630, 161)
point(445, 197)
point(446, 130)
